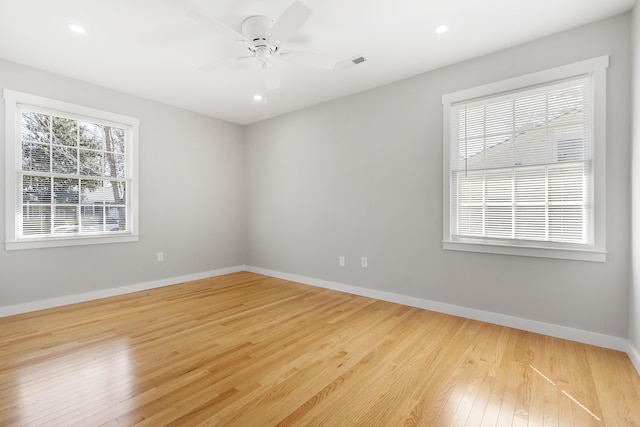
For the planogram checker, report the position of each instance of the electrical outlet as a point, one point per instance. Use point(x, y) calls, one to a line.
point(160, 256)
point(365, 262)
point(341, 261)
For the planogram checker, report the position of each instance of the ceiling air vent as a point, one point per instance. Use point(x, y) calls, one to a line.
point(351, 62)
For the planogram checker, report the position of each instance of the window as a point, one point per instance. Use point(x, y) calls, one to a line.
point(524, 165)
point(71, 174)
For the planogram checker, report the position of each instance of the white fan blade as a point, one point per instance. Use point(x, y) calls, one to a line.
point(308, 59)
point(271, 77)
point(290, 21)
point(214, 24)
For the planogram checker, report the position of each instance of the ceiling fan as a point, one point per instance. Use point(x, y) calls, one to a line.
point(263, 37)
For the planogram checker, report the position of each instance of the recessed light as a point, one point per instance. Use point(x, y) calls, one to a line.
point(442, 29)
point(257, 97)
point(76, 28)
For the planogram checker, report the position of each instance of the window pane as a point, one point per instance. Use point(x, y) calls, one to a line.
point(93, 192)
point(567, 224)
point(530, 185)
point(499, 186)
point(470, 187)
point(470, 221)
point(500, 118)
point(498, 152)
point(116, 219)
point(36, 189)
point(472, 154)
point(36, 220)
point(92, 136)
point(36, 157)
point(531, 112)
point(114, 165)
point(64, 160)
point(566, 100)
point(66, 220)
point(567, 184)
point(92, 218)
point(118, 138)
point(118, 190)
point(36, 127)
point(499, 221)
point(473, 124)
point(531, 222)
point(65, 131)
point(91, 163)
point(66, 190)
point(103, 192)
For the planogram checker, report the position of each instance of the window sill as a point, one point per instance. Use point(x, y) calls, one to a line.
point(69, 241)
point(531, 251)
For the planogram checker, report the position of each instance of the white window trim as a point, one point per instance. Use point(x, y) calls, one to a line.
point(13, 162)
point(597, 68)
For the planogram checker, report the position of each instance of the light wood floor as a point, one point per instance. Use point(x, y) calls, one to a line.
point(248, 350)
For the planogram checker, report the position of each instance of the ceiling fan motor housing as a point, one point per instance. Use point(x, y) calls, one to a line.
point(262, 36)
point(256, 28)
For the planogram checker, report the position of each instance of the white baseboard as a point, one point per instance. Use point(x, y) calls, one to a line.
point(578, 335)
point(10, 310)
point(634, 355)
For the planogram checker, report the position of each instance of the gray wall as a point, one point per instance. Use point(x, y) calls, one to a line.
point(362, 176)
point(191, 199)
point(634, 306)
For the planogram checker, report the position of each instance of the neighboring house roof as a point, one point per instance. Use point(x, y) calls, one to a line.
point(99, 195)
point(561, 138)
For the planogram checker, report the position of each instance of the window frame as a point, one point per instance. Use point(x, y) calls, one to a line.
point(596, 67)
point(13, 169)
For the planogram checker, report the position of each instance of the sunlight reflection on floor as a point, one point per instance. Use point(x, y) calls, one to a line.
point(573, 399)
point(80, 383)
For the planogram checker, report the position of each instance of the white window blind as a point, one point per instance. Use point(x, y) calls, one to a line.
point(521, 165)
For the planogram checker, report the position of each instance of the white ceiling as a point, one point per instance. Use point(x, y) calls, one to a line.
point(155, 49)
